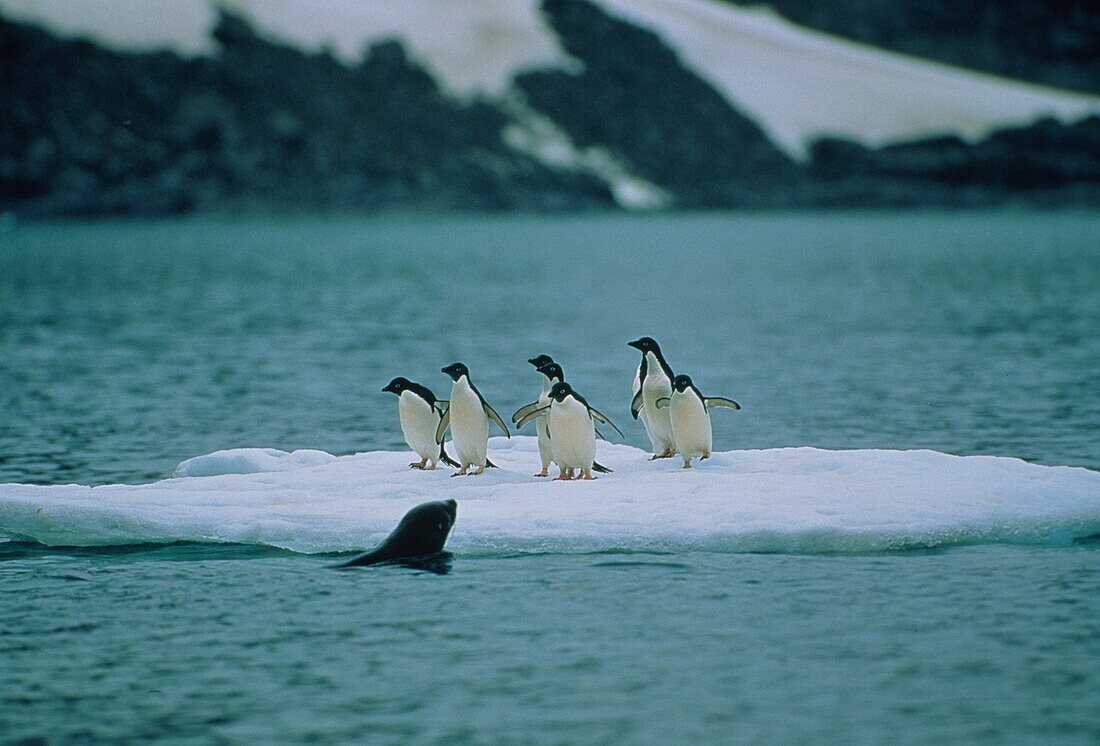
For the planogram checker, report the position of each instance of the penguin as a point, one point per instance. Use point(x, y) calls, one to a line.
point(546, 455)
point(420, 413)
point(468, 417)
point(572, 423)
point(655, 377)
point(689, 413)
point(643, 414)
point(551, 373)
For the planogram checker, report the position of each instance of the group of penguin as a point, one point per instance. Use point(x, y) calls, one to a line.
point(675, 414)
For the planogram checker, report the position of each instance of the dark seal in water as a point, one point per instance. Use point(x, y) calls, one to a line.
point(418, 538)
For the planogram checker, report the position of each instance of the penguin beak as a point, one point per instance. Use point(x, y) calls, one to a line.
point(389, 388)
point(636, 344)
point(533, 361)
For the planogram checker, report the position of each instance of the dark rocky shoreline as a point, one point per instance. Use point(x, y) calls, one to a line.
point(262, 127)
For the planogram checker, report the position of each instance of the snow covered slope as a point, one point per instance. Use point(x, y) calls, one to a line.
point(471, 48)
point(782, 500)
point(800, 85)
point(796, 84)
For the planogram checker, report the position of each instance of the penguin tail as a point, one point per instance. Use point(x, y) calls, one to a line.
point(600, 468)
point(490, 464)
point(447, 459)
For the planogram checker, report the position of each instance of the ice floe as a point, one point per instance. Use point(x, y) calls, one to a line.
point(777, 500)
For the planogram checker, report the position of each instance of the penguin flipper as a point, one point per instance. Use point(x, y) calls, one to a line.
point(663, 402)
point(441, 428)
point(601, 417)
point(533, 415)
point(447, 459)
point(496, 418)
point(721, 401)
point(522, 411)
point(598, 467)
point(636, 404)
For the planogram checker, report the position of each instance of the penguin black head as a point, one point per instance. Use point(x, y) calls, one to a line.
point(560, 391)
point(540, 360)
point(456, 371)
point(645, 344)
point(682, 383)
point(397, 385)
point(552, 371)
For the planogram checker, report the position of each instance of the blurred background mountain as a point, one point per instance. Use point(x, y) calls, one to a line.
point(651, 104)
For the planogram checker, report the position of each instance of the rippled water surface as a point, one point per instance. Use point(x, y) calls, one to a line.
point(125, 348)
point(975, 644)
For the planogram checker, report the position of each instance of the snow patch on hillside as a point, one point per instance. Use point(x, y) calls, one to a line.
point(797, 84)
point(800, 85)
point(538, 137)
point(471, 48)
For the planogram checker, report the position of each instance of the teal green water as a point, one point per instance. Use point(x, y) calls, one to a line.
point(125, 348)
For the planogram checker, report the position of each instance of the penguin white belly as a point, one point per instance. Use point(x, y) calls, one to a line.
point(574, 435)
point(418, 424)
point(546, 452)
point(469, 425)
point(657, 386)
point(644, 414)
point(690, 426)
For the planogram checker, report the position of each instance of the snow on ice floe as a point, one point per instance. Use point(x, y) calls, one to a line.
point(778, 500)
point(250, 461)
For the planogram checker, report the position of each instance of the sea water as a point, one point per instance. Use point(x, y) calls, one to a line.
point(126, 348)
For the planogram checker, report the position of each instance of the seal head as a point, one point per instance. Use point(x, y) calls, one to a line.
point(419, 536)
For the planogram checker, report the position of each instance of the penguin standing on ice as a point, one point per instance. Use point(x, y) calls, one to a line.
point(656, 377)
point(572, 424)
point(689, 413)
point(643, 413)
point(551, 373)
point(420, 414)
point(545, 453)
point(468, 417)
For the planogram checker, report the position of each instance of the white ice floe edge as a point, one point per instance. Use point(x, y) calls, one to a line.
point(779, 500)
